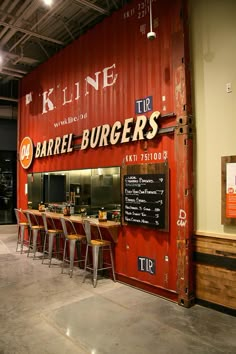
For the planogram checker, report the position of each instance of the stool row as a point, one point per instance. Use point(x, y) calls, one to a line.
point(48, 238)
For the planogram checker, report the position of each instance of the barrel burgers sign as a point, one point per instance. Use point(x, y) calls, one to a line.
point(130, 131)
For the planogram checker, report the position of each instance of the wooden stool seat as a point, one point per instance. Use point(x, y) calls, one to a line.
point(75, 237)
point(100, 242)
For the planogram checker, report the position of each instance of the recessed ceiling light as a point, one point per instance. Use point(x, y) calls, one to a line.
point(48, 2)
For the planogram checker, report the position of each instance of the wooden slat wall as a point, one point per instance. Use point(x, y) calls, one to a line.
point(215, 270)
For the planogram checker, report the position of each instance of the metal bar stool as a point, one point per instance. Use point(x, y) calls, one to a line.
point(98, 247)
point(36, 232)
point(22, 226)
point(73, 238)
point(51, 234)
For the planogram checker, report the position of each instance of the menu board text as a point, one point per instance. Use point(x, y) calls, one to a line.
point(144, 199)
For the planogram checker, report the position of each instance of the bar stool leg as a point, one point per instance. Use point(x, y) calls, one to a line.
point(112, 264)
point(35, 237)
point(44, 247)
point(85, 263)
point(18, 237)
point(64, 256)
point(30, 242)
point(72, 256)
point(22, 233)
point(95, 264)
point(50, 247)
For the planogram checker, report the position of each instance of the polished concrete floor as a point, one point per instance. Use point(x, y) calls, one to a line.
point(44, 311)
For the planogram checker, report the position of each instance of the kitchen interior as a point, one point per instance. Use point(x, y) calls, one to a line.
point(84, 191)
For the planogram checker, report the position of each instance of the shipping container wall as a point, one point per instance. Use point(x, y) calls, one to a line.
point(114, 73)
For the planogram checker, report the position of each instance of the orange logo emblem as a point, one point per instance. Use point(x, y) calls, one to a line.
point(26, 152)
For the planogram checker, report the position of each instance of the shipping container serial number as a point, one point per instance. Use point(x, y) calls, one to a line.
point(143, 9)
point(150, 156)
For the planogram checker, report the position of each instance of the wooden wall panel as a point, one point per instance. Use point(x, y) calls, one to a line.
point(215, 270)
point(216, 285)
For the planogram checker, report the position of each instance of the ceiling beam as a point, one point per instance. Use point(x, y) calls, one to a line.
point(12, 74)
point(92, 6)
point(37, 35)
point(22, 59)
point(14, 70)
point(3, 98)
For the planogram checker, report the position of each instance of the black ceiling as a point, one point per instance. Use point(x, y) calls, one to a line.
point(31, 32)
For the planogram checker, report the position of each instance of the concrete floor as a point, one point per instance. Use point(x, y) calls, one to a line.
point(44, 311)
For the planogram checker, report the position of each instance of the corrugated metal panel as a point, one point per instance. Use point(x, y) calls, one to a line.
point(137, 68)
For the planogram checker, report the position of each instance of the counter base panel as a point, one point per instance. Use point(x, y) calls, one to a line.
point(155, 290)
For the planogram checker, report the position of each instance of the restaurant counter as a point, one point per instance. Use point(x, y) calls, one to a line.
point(111, 227)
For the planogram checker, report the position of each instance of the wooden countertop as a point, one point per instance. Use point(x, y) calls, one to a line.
point(112, 227)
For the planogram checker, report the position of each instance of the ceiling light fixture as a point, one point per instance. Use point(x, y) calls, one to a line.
point(48, 2)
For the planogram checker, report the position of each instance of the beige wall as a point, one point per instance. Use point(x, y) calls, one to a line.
point(213, 48)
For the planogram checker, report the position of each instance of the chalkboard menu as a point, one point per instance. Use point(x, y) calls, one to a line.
point(144, 199)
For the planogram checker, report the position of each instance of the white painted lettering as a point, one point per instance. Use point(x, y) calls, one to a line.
point(138, 102)
point(57, 146)
point(47, 102)
point(50, 146)
point(142, 262)
point(104, 135)
point(25, 152)
point(64, 144)
point(44, 149)
point(146, 104)
point(139, 128)
point(95, 134)
point(77, 91)
point(126, 130)
point(85, 140)
point(70, 147)
point(89, 80)
point(150, 266)
point(65, 101)
point(115, 133)
point(153, 124)
point(38, 150)
point(107, 77)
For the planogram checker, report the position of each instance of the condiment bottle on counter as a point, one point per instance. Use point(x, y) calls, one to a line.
point(102, 215)
point(41, 206)
point(66, 210)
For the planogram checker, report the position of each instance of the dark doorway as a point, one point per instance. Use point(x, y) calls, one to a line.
point(7, 187)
